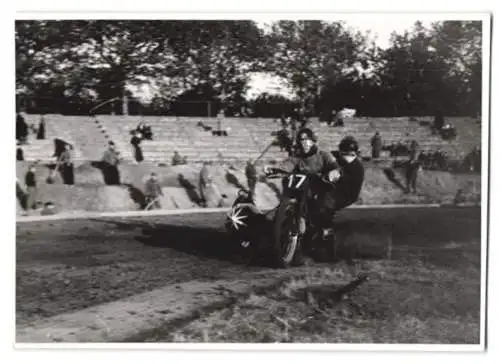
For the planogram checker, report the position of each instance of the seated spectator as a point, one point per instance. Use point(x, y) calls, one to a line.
point(177, 159)
point(448, 131)
point(338, 121)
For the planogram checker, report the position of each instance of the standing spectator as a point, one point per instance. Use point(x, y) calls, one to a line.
point(438, 120)
point(283, 120)
point(153, 192)
point(41, 129)
point(376, 145)
point(205, 182)
point(412, 168)
point(111, 160)
point(19, 154)
point(31, 190)
point(21, 129)
point(66, 167)
point(136, 143)
point(251, 174)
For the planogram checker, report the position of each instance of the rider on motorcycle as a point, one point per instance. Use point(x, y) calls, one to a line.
point(348, 186)
point(311, 160)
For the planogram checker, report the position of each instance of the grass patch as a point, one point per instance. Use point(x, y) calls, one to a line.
point(423, 305)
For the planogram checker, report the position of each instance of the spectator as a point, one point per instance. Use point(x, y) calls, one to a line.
point(284, 140)
point(205, 181)
point(141, 128)
point(136, 143)
point(331, 118)
point(439, 120)
point(376, 145)
point(21, 129)
point(31, 188)
point(41, 129)
point(19, 154)
point(147, 132)
point(412, 168)
point(153, 192)
point(111, 160)
point(251, 175)
point(339, 120)
point(177, 159)
point(284, 121)
point(66, 167)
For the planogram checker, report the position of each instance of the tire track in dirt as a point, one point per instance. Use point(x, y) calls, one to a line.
point(133, 317)
point(68, 266)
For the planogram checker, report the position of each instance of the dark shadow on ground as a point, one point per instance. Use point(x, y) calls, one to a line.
point(391, 176)
point(22, 198)
point(100, 166)
point(136, 195)
point(232, 179)
point(190, 190)
point(203, 242)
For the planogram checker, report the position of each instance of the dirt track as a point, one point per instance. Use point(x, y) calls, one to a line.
point(66, 266)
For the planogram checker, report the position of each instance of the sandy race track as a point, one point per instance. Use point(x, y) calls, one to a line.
point(169, 267)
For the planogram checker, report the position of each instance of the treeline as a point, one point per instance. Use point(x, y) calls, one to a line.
point(201, 67)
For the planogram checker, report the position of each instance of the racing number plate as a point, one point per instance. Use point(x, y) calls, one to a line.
point(295, 181)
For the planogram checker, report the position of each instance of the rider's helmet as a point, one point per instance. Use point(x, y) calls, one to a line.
point(348, 145)
point(310, 134)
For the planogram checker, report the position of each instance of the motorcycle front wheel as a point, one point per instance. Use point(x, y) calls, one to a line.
point(286, 237)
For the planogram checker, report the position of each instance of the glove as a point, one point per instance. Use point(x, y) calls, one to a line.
point(268, 169)
point(333, 176)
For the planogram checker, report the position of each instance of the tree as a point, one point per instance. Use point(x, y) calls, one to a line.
point(124, 52)
point(459, 45)
point(219, 55)
point(426, 70)
point(43, 49)
point(311, 54)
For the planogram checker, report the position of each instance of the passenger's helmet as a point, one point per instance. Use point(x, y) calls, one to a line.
point(348, 144)
point(310, 134)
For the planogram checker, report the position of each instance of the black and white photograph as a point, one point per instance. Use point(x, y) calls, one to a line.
point(243, 179)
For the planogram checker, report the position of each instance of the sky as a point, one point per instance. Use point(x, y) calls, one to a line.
point(381, 28)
